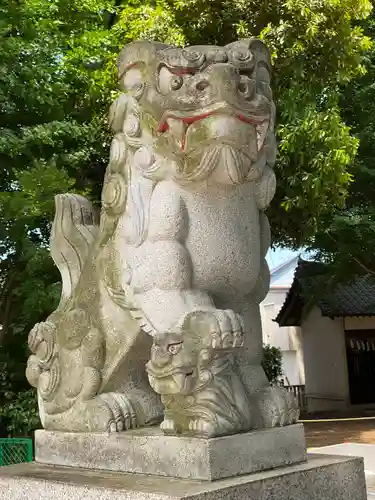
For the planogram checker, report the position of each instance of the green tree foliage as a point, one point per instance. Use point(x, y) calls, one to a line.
point(347, 239)
point(58, 77)
point(19, 413)
point(272, 363)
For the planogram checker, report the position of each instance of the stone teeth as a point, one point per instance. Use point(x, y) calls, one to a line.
point(261, 133)
point(176, 127)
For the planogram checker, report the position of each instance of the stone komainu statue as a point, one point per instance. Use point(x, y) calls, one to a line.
point(161, 292)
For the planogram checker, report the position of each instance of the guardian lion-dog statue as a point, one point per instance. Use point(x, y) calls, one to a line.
point(161, 290)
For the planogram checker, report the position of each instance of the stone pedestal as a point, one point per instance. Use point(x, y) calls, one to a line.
point(364, 450)
point(320, 478)
point(146, 465)
point(148, 451)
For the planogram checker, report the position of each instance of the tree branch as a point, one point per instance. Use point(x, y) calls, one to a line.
point(363, 266)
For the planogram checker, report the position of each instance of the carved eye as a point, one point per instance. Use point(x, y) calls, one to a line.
point(202, 85)
point(168, 81)
point(174, 348)
point(176, 82)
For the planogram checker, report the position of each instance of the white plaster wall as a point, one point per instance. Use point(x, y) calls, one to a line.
point(288, 339)
point(323, 339)
point(294, 357)
point(292, 374)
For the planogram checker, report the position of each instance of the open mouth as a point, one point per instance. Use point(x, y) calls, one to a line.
point(172, 383)
point(179, 124)
point(162, 373)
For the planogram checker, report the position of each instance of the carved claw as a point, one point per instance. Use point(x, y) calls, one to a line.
point(124, 417)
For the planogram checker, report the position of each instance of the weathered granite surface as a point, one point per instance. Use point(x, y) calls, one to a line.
point(363, 450)
point(321, 478)
point(148, 451)
point(173, 269)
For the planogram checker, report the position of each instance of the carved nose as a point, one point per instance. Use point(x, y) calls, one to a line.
point(161, 359)
point(223, 82)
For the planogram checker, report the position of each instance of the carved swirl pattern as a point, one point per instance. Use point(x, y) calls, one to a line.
point(194, 56)
point(132, 126)
point(242, 58)
point(43, 371)
point(33, 371)
point(42, 341)
point(49, 381)
point(114, 191)
point(114, 194)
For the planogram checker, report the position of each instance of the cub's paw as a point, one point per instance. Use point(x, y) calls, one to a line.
point(202, 428)
point(168, 427)
point(224, 329)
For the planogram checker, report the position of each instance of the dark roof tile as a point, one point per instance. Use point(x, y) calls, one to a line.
point(311, 285)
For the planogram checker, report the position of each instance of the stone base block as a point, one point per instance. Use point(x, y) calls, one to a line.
point(320, 478)
point(364, 450)
point(148, 451)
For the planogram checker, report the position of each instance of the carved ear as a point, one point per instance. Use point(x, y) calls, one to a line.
point(137, 53)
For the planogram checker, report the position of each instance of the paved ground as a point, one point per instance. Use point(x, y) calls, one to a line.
point(325, 433)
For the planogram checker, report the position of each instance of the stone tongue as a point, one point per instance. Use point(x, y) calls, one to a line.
point(178, 128)
point(179, 378)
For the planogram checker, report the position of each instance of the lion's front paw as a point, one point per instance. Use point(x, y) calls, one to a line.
point(123, 414)
point(293, 410)
point(277, 407)
point(107, 412)
point(225, 327)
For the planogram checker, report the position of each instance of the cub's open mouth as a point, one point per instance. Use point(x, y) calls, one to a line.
point(171, 383)
point(162, 372)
